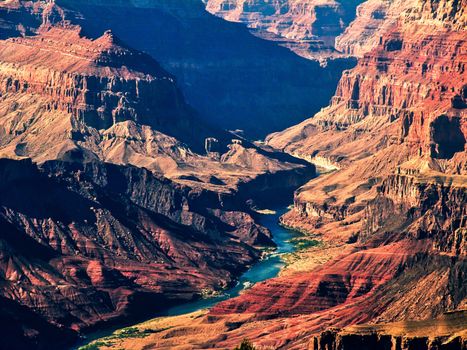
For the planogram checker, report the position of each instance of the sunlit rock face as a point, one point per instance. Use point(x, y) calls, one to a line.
point(401, 110)
point(390, 272)
point(308, 28)
point(395, 196)
point(133, 199)
point(446, 331)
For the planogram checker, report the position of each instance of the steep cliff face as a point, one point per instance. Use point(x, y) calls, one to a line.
point(308, 28)
point(402, 105)
point(98, 82)
point(373, 19)
point(115, 104)
point(393, 206)
point(446, 332)
point(395, 135)
point(19, 18)
point(427, 208)
point(391, 213)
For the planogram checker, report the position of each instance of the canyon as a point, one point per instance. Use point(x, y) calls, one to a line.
point(389, 206)
point(317, 30)
point(123, 192)
point(233, 79)
point(114, 192)
point(308, 28)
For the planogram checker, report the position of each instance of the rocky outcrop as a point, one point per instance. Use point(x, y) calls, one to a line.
point(336, 341)
point(342, 281)
point(308, 28)
point(427, 208)
point(373, 19)
point(397, 336)
point(115, 104)
point(376, 17)
point(19, 18)
point(121, 237)
point(86, 78)
point(396, 130)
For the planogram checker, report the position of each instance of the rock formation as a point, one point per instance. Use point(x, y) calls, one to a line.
point(445, 332)
point(373, 19)
point(147, 217)
point(391, 114)
point(309, 28)
point(395, 135)
point(121, 237)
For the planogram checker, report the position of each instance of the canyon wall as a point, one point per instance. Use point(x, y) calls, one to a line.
point(373, 19)
point(401, 109)
point(121, 237)
point(395, 132)
point(308, 28)
point(398, 336)
point(153, 200)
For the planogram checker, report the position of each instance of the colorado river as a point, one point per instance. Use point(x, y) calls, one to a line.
point(264, 269)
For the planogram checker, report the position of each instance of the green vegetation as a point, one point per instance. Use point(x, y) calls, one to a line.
point(130, 332)
point(303, 243)
point(245, 345)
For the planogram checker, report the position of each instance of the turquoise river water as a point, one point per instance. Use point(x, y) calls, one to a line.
point(264, 269)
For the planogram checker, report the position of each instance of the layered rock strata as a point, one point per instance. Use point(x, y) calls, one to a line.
point(121, 237)
point(446, 332)
point(373, 19)
point(309, 28)
point(395, 132)
point(250, 85)
point(399, 111)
